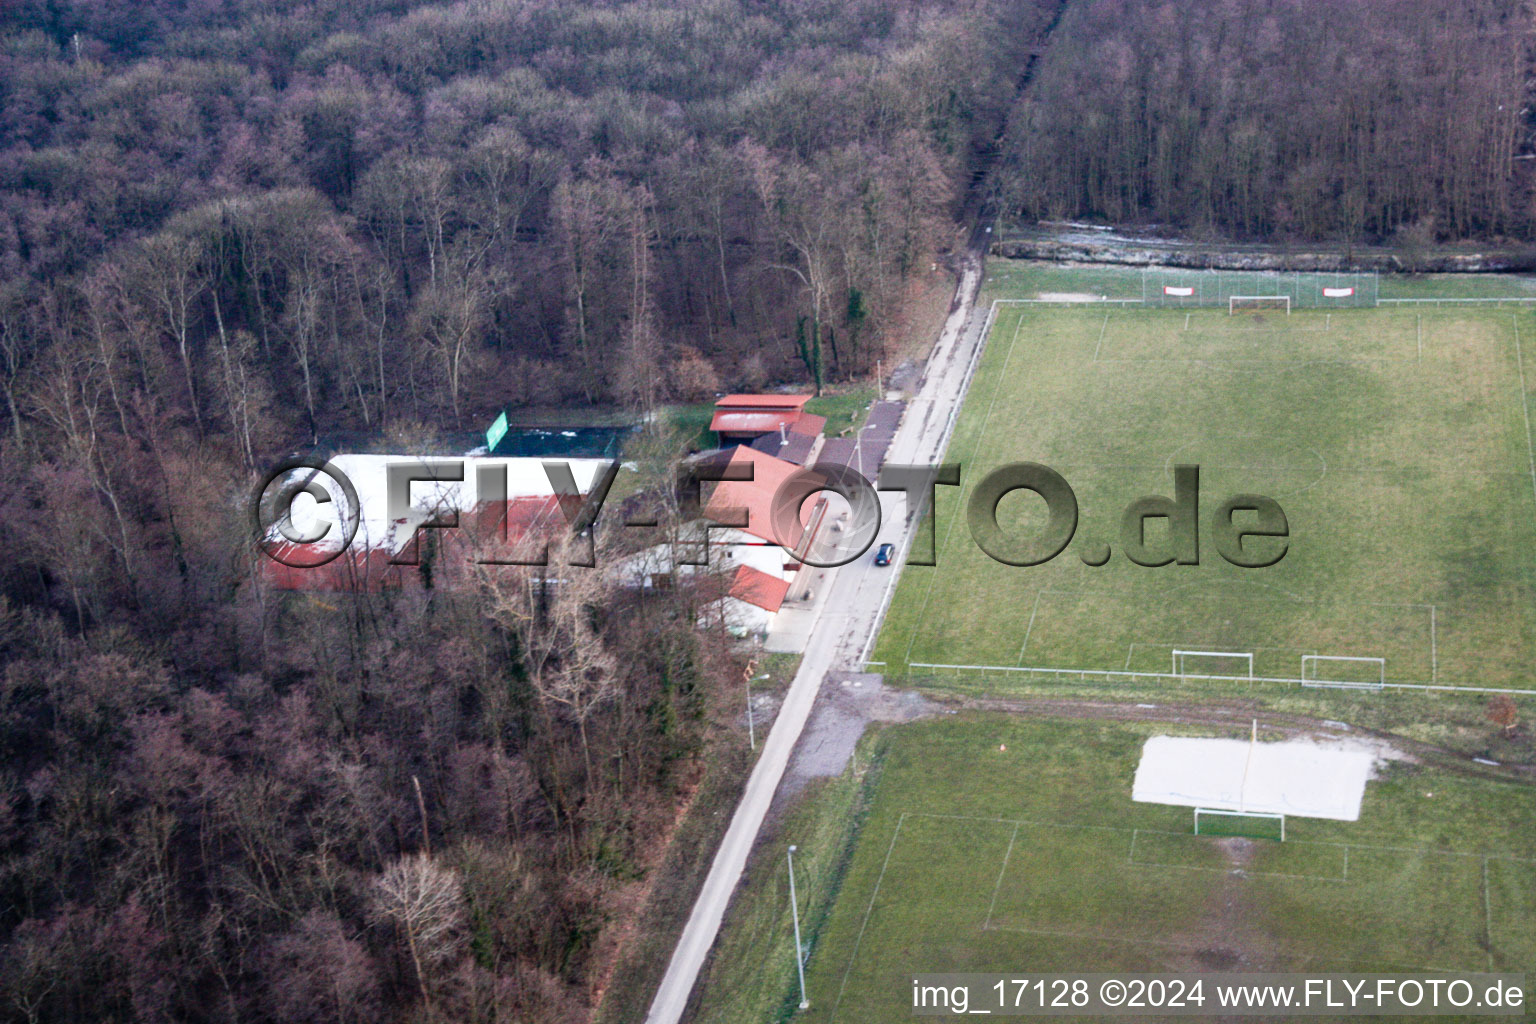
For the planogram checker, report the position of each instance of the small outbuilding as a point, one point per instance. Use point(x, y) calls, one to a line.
point(742, 419)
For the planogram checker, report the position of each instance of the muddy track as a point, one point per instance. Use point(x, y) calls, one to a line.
point(1236, 713)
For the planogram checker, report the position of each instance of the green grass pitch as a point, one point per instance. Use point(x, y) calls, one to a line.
point(1397, 441)
point(1035, 859)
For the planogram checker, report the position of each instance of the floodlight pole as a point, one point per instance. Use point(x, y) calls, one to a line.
point(746, 678)
point(794, 909)
point(751, 736)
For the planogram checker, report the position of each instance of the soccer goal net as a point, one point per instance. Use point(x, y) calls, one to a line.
point(1343, 671)
point(1210, 821)
point(1258, 304)
point(1213, 664)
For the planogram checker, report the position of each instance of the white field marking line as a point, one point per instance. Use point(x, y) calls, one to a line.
point(1419, 317)
point(1066, 303)
point(1186, 320)
point(1031, 627)
point(1188, 644)
point(867, 912)
point(1246, 872)
point(1102, 328)
point(910, 536)
point(1084, 673)
point(1434, 649)
point(1327, 321)
point(1255, 361)
point(1169, 592)
point(1525, 409)
point(1295, 598)
point(1372, 847)
point(1487, 915)
point(1495, 299)
point(1002, 377)
point(1274, 332)
point(1160, 943)
point(1091, 937)
point(1004, 869)
point(1022, 821)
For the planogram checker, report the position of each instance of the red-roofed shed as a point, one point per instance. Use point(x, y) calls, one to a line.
point(740, 419)
point(756, 587)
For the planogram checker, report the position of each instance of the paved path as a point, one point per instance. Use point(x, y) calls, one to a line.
point(855, 602)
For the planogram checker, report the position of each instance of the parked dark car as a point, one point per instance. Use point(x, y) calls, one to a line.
point(884, 555)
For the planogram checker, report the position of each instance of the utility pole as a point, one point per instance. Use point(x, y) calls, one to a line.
point(794, 909)
point(746, 678)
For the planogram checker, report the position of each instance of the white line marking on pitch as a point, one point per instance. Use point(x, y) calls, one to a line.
point(1031, 627)
point(1487, 915)
point(1430, 851)
point(1434, 649)
point(868, 911)
point(1102, 329)
point(1002, 378)
point(1524, 406)
point(1002, 870)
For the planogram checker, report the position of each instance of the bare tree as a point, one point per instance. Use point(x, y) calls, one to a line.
point(550, 611)
point(425, 901)
point(172, 278)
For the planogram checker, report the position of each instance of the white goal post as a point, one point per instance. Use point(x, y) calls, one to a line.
point(1256, 303)
point(1180, 657)
point(1211, 812)
point(1357, 673)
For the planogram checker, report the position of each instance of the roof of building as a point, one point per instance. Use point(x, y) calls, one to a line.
point(761, 421)
point(762, 402)
point(369, 476)
point(758, 588)
point(808, 423)
point(769, 444)
point(797, 448)
point(755, 495)
point(752, 421)
point(789, 445)
point(507, 531)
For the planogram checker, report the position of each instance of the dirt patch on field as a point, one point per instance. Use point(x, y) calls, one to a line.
point(847, 703)
point(1224, 937)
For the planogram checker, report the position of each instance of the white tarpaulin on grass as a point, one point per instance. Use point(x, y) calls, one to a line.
point(1297, 777)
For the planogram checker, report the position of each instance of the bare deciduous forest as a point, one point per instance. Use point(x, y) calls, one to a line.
point(231, 229)
point(1337, 121)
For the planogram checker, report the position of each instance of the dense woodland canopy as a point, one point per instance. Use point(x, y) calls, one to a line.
point(1293, 119)
point(399, 209)
point(230, 228)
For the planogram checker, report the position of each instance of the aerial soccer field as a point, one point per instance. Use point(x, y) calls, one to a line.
point(1000, 844)
point(1396, 441)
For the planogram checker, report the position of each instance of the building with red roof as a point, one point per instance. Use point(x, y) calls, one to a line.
point(742, 419)
point(758, 588)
